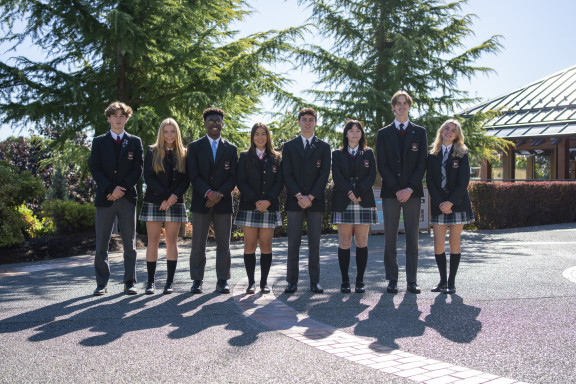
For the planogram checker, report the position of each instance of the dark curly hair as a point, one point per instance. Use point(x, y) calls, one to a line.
point(307, 111)
point(212, 111)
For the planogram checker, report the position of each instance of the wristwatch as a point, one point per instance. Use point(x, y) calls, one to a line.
point(411, 190)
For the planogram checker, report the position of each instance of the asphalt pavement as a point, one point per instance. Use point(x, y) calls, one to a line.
point(511, 320)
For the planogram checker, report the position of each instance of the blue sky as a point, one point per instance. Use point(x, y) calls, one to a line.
point(538, 40)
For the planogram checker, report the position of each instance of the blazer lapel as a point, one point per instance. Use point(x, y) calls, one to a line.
point(299, 146)
point(222, 146)
point(313, 145)
point(409, 136)
point(125, 141)
point(393, 137)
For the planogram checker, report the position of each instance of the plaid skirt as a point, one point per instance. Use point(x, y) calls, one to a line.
point(257, 219)
point(465, 217)
point(355, 214)
point(152, 212)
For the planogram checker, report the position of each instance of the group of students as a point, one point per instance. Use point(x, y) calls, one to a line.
point(211, 165)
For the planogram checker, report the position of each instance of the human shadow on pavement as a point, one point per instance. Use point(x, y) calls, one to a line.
point(389, 323)
point(454, 320)
point(113, 316)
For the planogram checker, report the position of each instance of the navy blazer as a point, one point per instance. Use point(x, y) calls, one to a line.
point(365, 172)
point(397, 174)
point(160, 186)
point(257, 182)
point(206, 174)
point(306, 173)
point(457, 180)
point(109, 173)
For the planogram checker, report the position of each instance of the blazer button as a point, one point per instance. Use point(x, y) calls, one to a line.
point(115, 171)
point(264, 172)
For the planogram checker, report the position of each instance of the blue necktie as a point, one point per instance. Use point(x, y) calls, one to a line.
point(214, 149)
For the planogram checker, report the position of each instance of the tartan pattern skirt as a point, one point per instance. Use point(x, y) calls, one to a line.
point(453, 218)
point(257, 219)
point(355, 214)
point(152, 212)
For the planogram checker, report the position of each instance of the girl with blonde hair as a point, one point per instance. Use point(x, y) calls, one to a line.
point(166, 183)
point(447, 178)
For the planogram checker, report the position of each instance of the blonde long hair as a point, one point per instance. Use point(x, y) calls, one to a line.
point(459, 148)
point(159, 149)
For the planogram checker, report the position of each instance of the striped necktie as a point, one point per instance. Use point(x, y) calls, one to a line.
point(444, 160)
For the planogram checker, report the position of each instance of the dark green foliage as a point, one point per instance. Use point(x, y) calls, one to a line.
point(70, 216)
point(161, 58)
point(15, 189)
point(382, 46)
point(59, 188)
point(509, 205)
point(38, 156)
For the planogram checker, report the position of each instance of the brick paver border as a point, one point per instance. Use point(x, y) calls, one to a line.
point(278, 316)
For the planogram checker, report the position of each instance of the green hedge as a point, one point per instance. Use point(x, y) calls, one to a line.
point(509, 205)
point(70, 216)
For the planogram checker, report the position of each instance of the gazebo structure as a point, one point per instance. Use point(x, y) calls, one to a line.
point(540, 119)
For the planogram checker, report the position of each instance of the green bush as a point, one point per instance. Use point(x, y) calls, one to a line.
point(70, 216)
point(34, 226)
point(509, 205)
point(15, 189)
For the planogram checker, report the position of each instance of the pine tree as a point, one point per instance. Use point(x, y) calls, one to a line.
point(382, 46)
point(170, 58)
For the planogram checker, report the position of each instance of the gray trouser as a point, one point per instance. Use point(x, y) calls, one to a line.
point(126, 214)
point(222, 232)
point(391, 210)
point(295, 224)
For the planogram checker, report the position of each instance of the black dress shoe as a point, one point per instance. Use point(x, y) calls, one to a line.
point(316, 288)
point(168, 288)
point(150, 288)
point(449, 291)
point(196, 286)
point(99, 291)
point(264, 288)
point(129, 288)
point(251, 288)
point(360, 287)
point(222, 286)
point(439, 287)
point(291, 288)
point(392, 286)
point(345, 288)
point(413, 287)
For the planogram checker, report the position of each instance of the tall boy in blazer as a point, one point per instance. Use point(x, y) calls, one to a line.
point(116, 163)
point(306, 167)
point(401, 151)
point(211, 166)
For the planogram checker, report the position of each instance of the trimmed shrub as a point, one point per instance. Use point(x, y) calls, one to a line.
point(509, 205)
point(34, 226)
point(15, 189)
point(70, 216)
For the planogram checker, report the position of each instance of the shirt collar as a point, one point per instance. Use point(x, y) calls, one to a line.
point(115, 136)
point(304, 140)
point(446, 147)
point(397, 124)
point(216, 140)
point(259, 152)
point(355, 149)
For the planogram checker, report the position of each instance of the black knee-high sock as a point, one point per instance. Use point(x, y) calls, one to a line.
point(265, 264)
point(171, 266)
point(344, 261)
point(441, 263)
point(361, 261)
point(151, 267)
point(454, 263)
point(250, 265)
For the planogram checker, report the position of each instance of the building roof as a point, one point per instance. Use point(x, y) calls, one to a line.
point(544, 108)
